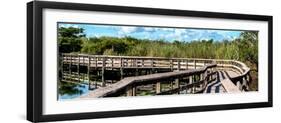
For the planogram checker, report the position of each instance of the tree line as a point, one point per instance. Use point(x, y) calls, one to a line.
point(244, 48)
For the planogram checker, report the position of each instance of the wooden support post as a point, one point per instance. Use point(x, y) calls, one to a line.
point(134, 89)
point(136, 63)
point(171, 64)
point(194, 64)
point(137, 72)
point(112, 63)
point(78, 68)
point(103, 71)
point(248, 80)
point(152, 63)
point(96, 62)
point(186, 65)
point(211, 72)
point(69, 65)
point(177, 84)
point(194, 80)
point(82, 64)
point(186, 89)
point(244, 83)
point(191, 82)
point(121, 68)
point(179, 65)
point(153, 69)
point(172, 85)
point(88, 72)
point(62, 67)
point(158, 87)
point(131, 90)
point(202, 78)
point(248, 77)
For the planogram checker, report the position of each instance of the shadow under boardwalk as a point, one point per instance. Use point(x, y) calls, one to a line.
point(216, 85)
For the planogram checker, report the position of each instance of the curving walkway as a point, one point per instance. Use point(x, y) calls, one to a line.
point(216, 85)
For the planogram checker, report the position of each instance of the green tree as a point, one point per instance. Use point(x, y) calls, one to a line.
point(70, 39)
point(248, 47)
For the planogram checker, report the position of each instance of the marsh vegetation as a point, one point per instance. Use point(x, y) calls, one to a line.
point(244, 48)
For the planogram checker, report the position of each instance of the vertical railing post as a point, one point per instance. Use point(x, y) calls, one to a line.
point(96, 62)
point(203, 75)
point(211, 73)
point(62, 61)
point(83, 65)
point(186, 89)
point(191, 82)
point(112, 63)
point(103, 71)
point(136, 65)
point(88, 72)
point(134, 89)
point(177, 82)
point(194, 85)
point(152, 65)
point(194, 64)
point(131, 90)
point(78, 67)
point(206, 79)
point(171, 64)
point(248, 80)
point(179, 65)
point(186, 65)
point(158, 87)
point(70, 65)
point(121, 68)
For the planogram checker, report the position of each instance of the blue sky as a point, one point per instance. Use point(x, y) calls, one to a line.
point(152, 33)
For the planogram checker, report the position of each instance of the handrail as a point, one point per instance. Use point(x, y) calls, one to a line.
point(243, 78)
point(105, 91)
point(163, 62)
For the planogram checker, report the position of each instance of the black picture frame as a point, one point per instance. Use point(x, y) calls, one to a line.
point(34, 60)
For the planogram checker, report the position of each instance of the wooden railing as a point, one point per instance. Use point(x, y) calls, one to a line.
point(130, 84)
point(171, 65)
point(100, 61)
point(241, 81)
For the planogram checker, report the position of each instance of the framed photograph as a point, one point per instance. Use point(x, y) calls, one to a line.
point(94, 61)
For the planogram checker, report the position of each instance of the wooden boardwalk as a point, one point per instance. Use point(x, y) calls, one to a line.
point(222, 83)
point(105, 91)
point(160, 75)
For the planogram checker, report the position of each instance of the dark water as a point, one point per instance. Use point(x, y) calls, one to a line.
point(72, 91)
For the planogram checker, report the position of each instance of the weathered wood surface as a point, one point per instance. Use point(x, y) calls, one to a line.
point(239, 76)
point(101, 92)
point(222, 83)
point(148, 62)
point(229, 86)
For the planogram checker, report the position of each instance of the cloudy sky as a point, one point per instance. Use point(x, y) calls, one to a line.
point(152, 33)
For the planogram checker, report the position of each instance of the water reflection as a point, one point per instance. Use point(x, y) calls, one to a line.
point(71, 90)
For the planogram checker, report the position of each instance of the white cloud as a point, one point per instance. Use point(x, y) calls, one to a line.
point(180, 32)
point(126, 29)
point(149, 29)
point(68, 25)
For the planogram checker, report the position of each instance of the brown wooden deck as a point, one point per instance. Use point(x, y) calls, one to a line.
point(186, 75)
